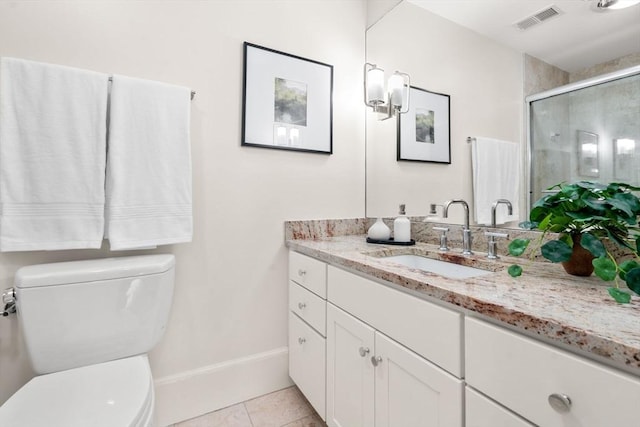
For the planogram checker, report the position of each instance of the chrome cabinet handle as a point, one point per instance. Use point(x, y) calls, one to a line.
point(363, 351)
point(302, 305)
point(376, 360)
point(560, 402)
point(301, 340)
point(302, 272)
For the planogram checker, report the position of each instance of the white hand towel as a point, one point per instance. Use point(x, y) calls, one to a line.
point(148, 164)
point(52, 156)
point(496, 175)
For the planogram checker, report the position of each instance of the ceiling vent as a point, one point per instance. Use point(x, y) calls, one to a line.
point(538, 18)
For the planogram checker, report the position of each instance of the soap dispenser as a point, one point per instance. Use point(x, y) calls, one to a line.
point(402, 227)
point(433, 215)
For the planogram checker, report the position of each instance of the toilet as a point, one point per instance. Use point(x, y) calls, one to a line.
point(87, 326)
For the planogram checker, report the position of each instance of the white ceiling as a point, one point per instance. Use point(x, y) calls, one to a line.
point(577, 38)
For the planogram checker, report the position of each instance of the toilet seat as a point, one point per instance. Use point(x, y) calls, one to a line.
point(116, 393)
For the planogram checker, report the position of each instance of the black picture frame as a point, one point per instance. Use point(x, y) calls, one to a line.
point(287, 101)
point(424, 132)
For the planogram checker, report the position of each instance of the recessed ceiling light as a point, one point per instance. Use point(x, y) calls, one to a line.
point(616, 4)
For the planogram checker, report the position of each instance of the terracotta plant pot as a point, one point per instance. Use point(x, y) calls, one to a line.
point(580, 262)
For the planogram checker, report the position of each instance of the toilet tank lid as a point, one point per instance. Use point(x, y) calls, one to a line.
point(92, 270)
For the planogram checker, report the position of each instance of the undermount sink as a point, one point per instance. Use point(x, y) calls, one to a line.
point(442, 268)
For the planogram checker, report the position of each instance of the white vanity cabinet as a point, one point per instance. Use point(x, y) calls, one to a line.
point(370, 354)
point(372, 379)
point(546, 385)
point(307, 327)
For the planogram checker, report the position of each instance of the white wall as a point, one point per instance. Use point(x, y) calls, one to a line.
point(376, 9)
point(484, 81)
point(228, 329)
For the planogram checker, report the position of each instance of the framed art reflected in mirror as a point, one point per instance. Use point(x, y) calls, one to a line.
point(588, 154)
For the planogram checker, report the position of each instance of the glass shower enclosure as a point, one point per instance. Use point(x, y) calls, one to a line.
point(589, 130)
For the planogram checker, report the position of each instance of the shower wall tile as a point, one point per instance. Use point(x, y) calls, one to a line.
point(606, 67)
point(540, 76)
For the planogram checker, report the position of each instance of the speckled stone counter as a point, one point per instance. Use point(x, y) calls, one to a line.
point(574, 313)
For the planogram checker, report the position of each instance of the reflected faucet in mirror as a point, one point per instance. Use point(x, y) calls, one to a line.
point(492, 245)
point(466, 231)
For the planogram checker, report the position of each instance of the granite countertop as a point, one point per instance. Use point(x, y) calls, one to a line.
point(575, 313)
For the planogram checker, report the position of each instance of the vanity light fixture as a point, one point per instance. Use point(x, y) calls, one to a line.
point(390, 102)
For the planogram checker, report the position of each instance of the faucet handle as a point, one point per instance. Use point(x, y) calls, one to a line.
point(492, 245)
point(495, 234)
point(443, 238)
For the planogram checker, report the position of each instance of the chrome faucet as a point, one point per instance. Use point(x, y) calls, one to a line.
point(492, 250)
point(493, 210)
point(466, 232)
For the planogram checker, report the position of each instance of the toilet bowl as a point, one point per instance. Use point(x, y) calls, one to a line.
point(88, 326)
point(110, 394)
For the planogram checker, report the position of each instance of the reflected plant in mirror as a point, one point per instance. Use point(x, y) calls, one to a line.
point(592, 219)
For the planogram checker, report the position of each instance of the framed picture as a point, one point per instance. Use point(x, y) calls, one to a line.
point(424, 131)
point(588, 154)
point(287, 101)
point(625, 159)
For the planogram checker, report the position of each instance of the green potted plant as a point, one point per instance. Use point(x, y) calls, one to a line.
point(585, 213)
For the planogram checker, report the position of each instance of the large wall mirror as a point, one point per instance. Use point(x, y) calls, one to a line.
point(487, 84)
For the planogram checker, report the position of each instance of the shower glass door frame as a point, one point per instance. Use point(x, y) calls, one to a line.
point(587, 155)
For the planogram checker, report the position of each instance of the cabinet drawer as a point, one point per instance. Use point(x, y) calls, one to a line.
point(433, 332)
point(307, 357)
point(483, 412)
point(309, 307)
point(308, 272)
point(522, 374)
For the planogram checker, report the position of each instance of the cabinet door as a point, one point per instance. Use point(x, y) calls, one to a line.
point(350, 382)
point(307, 362)
point(410, 391)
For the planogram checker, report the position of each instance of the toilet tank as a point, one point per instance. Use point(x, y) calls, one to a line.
point(81, 313)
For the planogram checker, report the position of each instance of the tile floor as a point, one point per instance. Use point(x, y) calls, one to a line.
point(283, 408)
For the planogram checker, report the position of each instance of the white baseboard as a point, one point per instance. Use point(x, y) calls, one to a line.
point(197, 392)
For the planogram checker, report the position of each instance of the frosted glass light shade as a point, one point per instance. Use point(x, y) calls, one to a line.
point(396, 84)
point(375, 86)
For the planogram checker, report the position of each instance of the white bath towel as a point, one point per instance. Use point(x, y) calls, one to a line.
point(496, 175)
point(148, 164)
point(52, 156)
